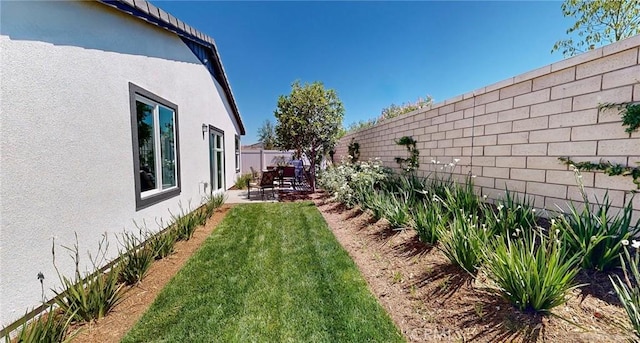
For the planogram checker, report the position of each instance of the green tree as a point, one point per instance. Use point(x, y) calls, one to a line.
point(309, 121)
point(598, 22)
point(267, 135)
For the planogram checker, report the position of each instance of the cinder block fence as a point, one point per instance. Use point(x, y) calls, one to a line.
point(511, 133)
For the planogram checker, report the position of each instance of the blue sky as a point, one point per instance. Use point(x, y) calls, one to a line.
point(372, 53)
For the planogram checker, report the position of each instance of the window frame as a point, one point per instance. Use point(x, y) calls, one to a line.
point(214, 131)
point(237, 146)
point(143, 201)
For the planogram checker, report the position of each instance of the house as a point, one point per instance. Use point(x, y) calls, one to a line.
point(112, 113)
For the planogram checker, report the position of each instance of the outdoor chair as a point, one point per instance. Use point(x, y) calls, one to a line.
point(266, 181)
point(255, 176)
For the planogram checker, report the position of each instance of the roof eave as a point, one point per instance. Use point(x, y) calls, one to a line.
point(146, 11)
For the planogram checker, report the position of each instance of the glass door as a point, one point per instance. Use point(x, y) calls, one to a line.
point(216, 158)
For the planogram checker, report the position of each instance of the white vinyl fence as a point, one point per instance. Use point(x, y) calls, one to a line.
point(259, 159)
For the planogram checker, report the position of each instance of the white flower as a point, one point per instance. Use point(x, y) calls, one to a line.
point(624, 242)
point(533, 210)
point(437, 162)
point(474, 176)
point(456, 160)
point(451, 164)
point(433, 161)
point(485, 196)
point(557, 231)
point(635, 244)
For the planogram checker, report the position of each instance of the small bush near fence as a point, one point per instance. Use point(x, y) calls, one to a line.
point(533, 267)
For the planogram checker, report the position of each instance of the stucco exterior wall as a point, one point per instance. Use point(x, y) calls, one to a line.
point(65, 135)
point(511, 133)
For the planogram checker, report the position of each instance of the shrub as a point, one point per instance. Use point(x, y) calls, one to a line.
point(93, 297)
point(463, 240)
point(417, 188)
point(428, 221)
point(598, 235)
point(136, 258)
point(376, 202)
point(184, 224)
point(346, 180)
point(162, 244)
point(396, 209)
point(533, 273)
point(241, 181)
point(629, 291)
point(462, 197)
point(510, 214)
point(214, 202)
point(48, 328)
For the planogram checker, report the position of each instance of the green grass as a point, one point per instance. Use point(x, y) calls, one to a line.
point(268, 273)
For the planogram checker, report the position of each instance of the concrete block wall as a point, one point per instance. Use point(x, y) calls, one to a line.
point(511, 133)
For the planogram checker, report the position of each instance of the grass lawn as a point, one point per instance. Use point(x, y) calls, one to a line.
point(270, 272)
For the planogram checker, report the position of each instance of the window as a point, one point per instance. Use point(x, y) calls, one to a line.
point(154, 127)
point(216, 158)
point(237, 154)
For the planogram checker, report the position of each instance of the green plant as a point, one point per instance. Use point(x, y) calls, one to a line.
point(597, 236)
point(47, 328)
point(186, 222)
point(411, 163)
point(396, 209)
point(162, 244)
point(630, 113)
point(242, 180)
point(95, 295)
point(135, 258)
point(461, 197)
point(214, 202)
point(376, 202)
point(354, 150)
point(605, 167)
point(533, 273)
point(251, 267)
point(510, 214)
point(463, 240)
point(629, 291)
point(348, 181)
point(428, 221)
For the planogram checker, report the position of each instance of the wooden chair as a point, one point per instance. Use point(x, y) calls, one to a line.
point(266, 181)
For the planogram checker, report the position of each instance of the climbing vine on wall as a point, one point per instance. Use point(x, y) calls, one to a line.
point(606, 167)
point(630, 113)
point(411, 163)
point(354, 150)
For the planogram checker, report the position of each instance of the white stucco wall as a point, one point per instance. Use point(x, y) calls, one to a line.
point(65, 134)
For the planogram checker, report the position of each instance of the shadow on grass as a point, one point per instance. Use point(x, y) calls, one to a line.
point(500, 321)
point(598, 285)
point(292, 196)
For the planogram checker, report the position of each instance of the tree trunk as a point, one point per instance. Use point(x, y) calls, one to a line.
point(312, 170)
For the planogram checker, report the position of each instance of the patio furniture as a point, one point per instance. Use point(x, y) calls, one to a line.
point(287, 176)
point(254, 174)
point(266, 181)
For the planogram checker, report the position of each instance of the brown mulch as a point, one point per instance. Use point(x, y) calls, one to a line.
point(431, 300)
point(428, 299)
point(138, 298)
